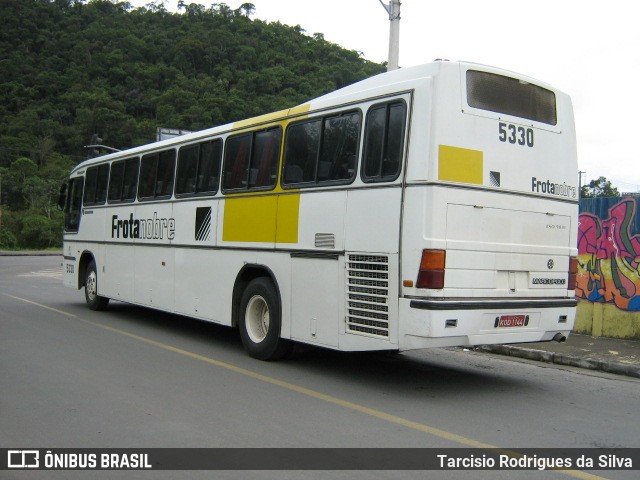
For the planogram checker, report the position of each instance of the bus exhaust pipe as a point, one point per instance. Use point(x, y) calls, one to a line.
point(560, 338)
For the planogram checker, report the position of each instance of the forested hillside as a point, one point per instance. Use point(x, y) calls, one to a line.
point(72, 68)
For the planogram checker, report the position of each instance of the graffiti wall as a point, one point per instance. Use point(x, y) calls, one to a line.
point(609, 252)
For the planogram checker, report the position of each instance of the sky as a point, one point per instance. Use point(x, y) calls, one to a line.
point(588, 49)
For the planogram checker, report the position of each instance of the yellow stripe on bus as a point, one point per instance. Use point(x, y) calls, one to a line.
point(288, 215)
point(304, 108)
point(269, 117)
point(263, 219)
point(260, 119)
point(460, 165)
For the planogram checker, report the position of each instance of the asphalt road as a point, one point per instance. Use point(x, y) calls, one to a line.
point(136, 378)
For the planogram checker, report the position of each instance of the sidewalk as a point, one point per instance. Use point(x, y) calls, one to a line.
point(612, 355)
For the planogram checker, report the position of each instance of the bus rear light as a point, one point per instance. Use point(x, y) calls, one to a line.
point(431, 274)
point(432, 260)
point(573, 273)
point(430, 279)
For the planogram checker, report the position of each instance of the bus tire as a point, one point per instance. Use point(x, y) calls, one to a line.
point(260, 321)
point(94, 301)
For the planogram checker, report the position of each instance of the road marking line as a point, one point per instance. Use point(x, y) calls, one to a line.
point(50, 273)
point(40, 305)
point(453, 437)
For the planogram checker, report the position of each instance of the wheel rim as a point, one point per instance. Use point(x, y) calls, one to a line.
point(92, 280)
point(257, 318)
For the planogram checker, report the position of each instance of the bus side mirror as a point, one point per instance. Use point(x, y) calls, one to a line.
point(62, 198)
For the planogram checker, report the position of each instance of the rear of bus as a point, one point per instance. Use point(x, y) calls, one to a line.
point(489, 225)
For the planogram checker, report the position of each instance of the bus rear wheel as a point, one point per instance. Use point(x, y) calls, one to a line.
point(94, 301)
point(261, 321)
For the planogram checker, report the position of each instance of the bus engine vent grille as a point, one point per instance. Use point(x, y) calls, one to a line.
point(325, 240)
point(368, 295)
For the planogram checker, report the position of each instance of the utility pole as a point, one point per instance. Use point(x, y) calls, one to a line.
point(580, 172)
point(393, 9)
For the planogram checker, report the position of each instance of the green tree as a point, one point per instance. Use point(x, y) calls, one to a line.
point(247, 9)
point(39, 231)
point(7, 239)
point(600, 187)
point(14, 182)
point(72, 68)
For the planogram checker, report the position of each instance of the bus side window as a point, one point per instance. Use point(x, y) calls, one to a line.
point(115, 182)
point(96, 179)
point(130, 182)
point(148, 172)
point(383, 142)
point(187, 170)
point(236, 162)
point(199, 168)
point(165, 174)
point(251, 160)
point(302, 145)
point(264, 162)
point(323, 150)
point(74, 205)
point(156, 175)
point(91, 177)
point(209, 166)
point(101, 184)
point(339, 148)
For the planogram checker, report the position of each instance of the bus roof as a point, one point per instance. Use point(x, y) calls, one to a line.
point(387, 82)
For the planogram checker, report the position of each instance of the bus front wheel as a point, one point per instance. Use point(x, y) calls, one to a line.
point(95, 301)
point(260, 321)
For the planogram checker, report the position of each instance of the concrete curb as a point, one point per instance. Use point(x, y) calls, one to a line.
point(8, 253)
point(563, 359)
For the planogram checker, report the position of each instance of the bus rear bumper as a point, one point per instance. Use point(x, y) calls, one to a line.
point(429, 323)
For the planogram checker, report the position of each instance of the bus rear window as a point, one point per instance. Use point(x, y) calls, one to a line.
point(510, 96)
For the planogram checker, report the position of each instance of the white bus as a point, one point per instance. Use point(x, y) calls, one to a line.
point(424, 207)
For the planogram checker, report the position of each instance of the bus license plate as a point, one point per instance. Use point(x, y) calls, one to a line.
point(508, 321)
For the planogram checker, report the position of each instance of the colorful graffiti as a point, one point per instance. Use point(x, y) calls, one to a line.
point(609, 257)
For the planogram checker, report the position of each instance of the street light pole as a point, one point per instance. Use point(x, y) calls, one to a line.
point(393, 9)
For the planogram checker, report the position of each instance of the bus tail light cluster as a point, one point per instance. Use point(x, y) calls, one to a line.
point(573, 273)
point(431, 274)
